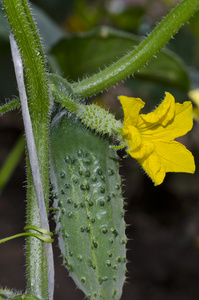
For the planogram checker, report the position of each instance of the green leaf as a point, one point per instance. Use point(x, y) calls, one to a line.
point(84, 54)
point(4, 28)
point(49, 30)
point(11, 162)
point(167, 69)
point(194, 24)
point(58, 9)
point(7, 76)
point(129, 19)
point(51, 33)
point(25, 297)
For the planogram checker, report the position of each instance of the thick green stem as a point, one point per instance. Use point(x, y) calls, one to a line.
point(24, 31)
point(139, 56)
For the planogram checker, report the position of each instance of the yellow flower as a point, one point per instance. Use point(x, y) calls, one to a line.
point(150, 137)
point(194, 95)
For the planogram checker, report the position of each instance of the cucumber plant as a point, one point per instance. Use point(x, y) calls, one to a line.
point(84, 169)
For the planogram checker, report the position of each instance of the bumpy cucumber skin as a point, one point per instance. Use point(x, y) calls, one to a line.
point(90, 216)
point(95, 117)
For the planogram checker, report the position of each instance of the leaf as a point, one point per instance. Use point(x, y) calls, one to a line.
point(49, 30)
point(7, 76)
point(4, 28)
point(50, 33)
point(11, 162)
point(168, 69)
point(129, 19)
point(57, 10)
point(85, 53)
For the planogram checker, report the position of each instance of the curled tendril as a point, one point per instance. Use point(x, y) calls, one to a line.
point(38, 236)
point(41, 230)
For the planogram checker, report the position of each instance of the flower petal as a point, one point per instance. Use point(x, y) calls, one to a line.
point(143, 151)
point(183, 119)
point(131, 107)
point(153, 167)
point(167, 157)
point(175, 157)
point(179, 126)
point(194, 95)
point(132, 136)
point(150, 137)
point(196, 113)
point(163, 114)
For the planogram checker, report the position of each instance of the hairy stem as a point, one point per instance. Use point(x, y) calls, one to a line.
point(13, 104)
point(39, 277)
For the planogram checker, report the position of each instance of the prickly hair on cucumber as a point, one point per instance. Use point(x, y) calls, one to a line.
point(89, 214)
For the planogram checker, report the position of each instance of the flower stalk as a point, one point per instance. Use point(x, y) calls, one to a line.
point(92, 116)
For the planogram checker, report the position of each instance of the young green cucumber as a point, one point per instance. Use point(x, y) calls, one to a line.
point(88, 206)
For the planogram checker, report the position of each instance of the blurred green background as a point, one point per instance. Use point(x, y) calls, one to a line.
point(80, 37)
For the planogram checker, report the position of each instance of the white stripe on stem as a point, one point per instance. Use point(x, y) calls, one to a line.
point(18, 66)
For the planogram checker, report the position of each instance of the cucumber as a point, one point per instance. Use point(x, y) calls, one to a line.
point(88, 202)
